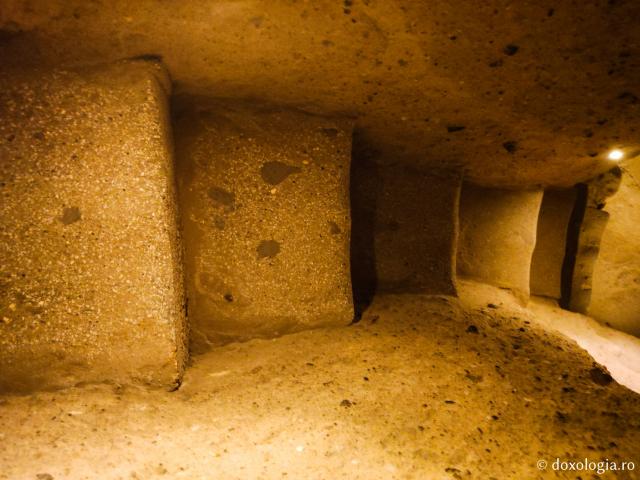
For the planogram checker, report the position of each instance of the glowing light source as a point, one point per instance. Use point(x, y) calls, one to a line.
point(615, 155)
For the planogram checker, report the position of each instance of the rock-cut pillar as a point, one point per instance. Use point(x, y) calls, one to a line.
point(265, 208)
point(498, 235)
point(90, 269)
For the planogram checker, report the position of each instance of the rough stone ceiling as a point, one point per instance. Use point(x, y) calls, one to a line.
point(517, 93)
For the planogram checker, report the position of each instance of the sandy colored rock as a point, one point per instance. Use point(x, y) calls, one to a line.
point(265, 205)
point(409, 392)
point(592, 221)
point(593, 226)
point(551, 240)
point(615, 296)
point(91, 280)
point(405, 226)
point(518, 94)
point(498, 235)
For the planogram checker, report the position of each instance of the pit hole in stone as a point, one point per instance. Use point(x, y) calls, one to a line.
point(268, 249)
point(275, 173)
point(70, 215)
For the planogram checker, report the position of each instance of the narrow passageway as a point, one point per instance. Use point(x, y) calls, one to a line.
point(364, 239)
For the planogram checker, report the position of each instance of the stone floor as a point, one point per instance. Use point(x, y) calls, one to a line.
point(421, 387)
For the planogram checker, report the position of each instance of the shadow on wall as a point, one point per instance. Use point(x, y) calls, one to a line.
point(550, 257)
point(568, 297)
point(365, 188)
point(404, 227)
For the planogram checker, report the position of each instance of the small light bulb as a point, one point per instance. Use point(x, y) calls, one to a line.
point(616, 155)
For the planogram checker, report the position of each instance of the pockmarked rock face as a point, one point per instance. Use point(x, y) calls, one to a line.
point(615, 295)
point(517, 93)
point(498, 236)
point(265, 208)
point(405, 225)
point(90, 268)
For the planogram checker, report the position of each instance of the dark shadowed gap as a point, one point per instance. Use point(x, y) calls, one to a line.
point(573, 238)
point(364, 188)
